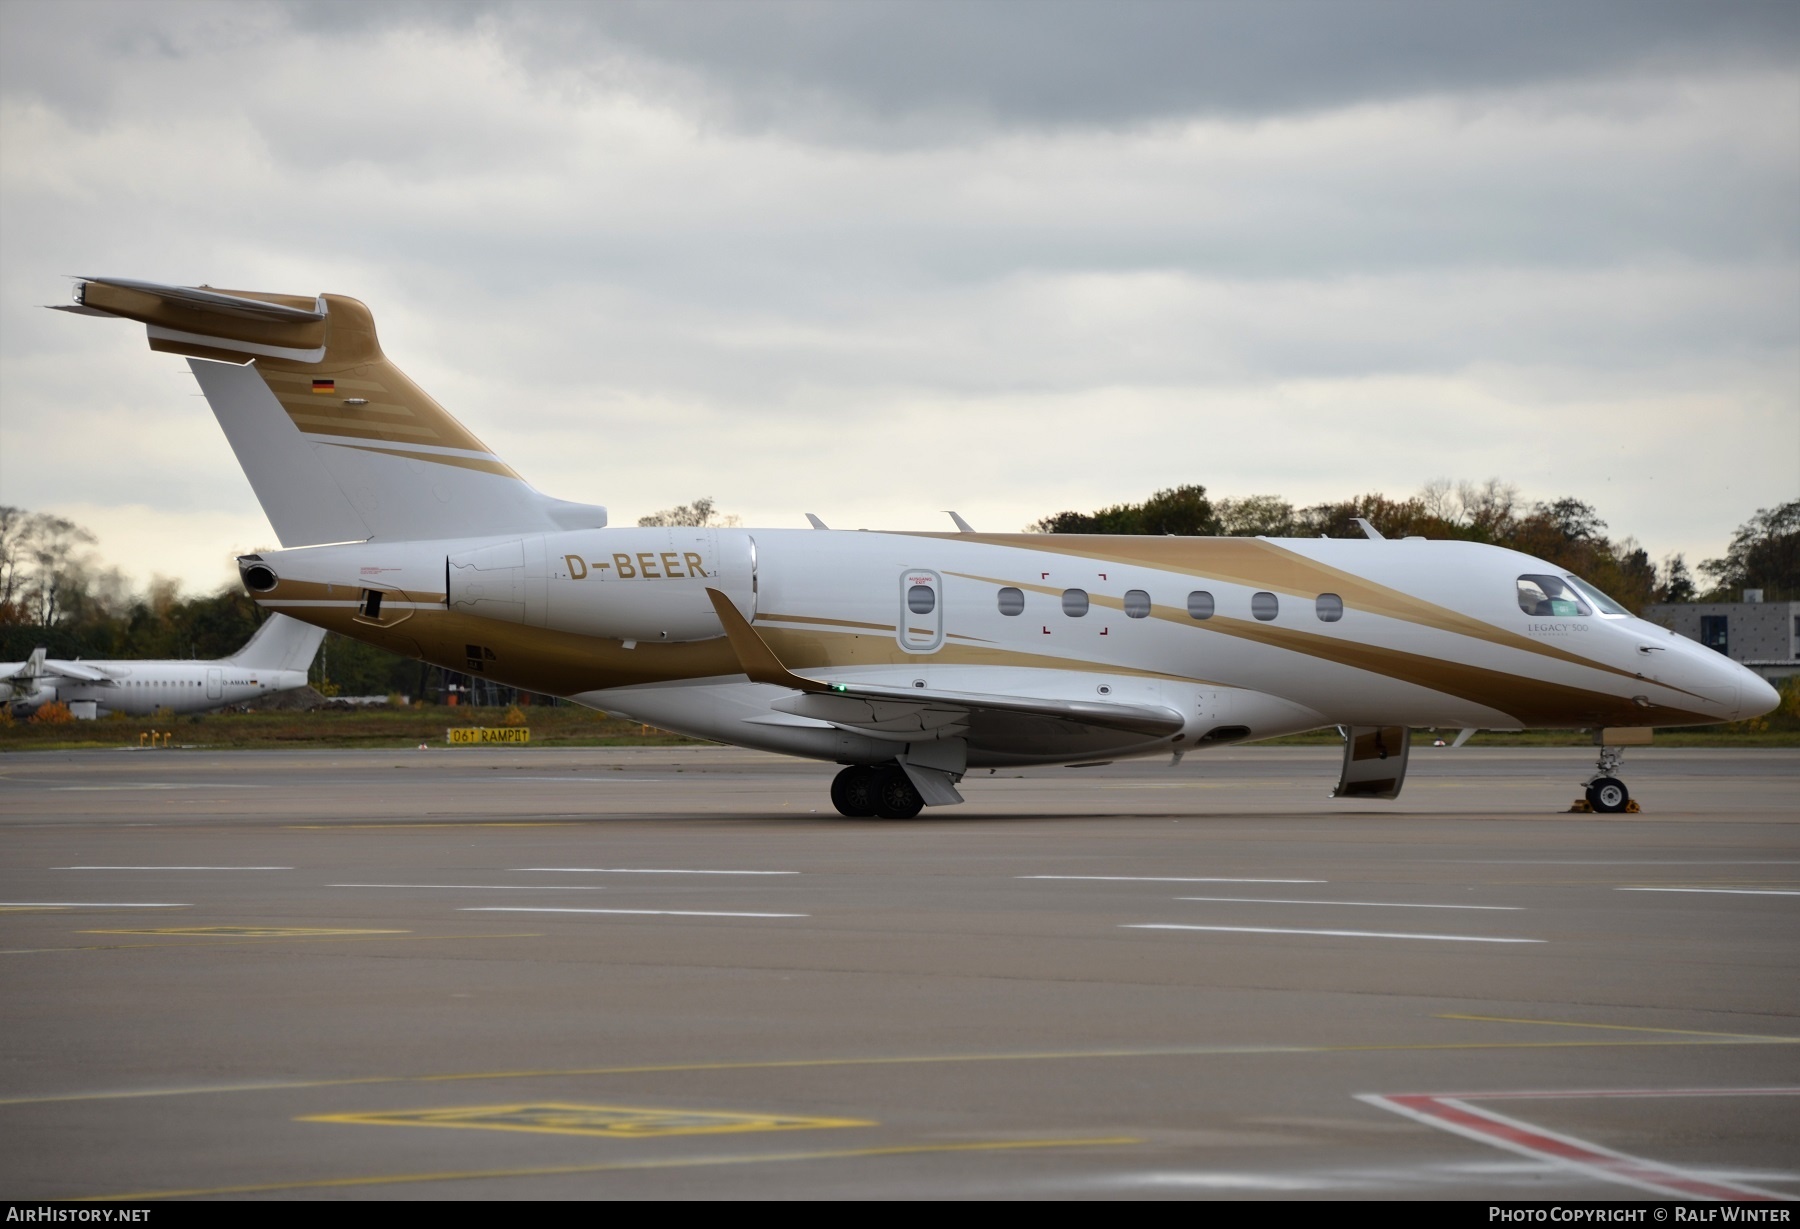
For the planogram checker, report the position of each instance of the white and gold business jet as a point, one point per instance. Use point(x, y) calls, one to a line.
point(909, 658)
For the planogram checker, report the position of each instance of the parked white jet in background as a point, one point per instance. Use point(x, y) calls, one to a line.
point(909, 658)
point(276, 658)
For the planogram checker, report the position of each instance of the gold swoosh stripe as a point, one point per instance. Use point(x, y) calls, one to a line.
point(1516, 695)
point(1257, 564)
point(813, 619)
point(358, 428)
point(487, 465)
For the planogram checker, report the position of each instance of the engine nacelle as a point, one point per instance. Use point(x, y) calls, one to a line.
point(626, 584)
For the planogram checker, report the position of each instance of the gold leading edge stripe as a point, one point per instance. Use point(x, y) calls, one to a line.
point(1257, 564)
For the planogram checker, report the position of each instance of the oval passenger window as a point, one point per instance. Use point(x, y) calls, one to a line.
point(1200, 604)
point(1012, 601)
point(1330, 607)
point(1264, 606)
point(1137, 604)
point(1075, 602)
point(921, 600)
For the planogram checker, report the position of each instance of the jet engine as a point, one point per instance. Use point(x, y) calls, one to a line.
point(628, 584)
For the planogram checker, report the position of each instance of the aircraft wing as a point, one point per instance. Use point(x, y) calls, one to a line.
point(899, 711)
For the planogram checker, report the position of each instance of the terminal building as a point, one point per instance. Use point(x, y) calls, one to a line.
point(1764, 636)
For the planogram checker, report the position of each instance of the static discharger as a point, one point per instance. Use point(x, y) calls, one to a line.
point(612, 1121)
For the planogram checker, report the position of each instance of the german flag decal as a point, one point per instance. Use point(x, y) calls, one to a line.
point(324, 386)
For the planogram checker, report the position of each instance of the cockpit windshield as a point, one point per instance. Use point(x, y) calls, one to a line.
point(1605, 605)
point(1550, 596)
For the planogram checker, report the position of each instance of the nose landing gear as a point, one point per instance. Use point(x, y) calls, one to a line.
point(864, 790)
point(1606, 794)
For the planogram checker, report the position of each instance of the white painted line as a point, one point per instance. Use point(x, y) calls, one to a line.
point(483, 887)
point(121, 789)
point(1164, 879)
point(171, 868)
point(642, 912)
point(1359, 904)
point(1610, 862)
point(1721, 891)
point(86, 904)
point(1453, 1113)
point(1344, 934)
point(635, 870)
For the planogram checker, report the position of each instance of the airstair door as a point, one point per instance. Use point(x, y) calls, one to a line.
point(215, 683)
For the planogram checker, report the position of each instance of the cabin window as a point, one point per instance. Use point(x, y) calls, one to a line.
point(1330, 607)
point(1012, 601)
point(1550, 596)
point(1075, 602)
point(1200, 604)
point(1137, 604)
point(921, 600)
point(1264, 606)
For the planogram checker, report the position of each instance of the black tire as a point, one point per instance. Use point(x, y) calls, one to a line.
point(853, 791)
point(895, 797)
point(1608, 795)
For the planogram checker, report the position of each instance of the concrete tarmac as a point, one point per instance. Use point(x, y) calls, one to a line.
point(677, 973)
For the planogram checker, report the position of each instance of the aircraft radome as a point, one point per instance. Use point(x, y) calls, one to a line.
point(909, 658)
point(276, 658)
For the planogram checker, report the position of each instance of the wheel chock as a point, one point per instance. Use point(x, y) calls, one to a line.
point(1581, 806)
point(1631, 807)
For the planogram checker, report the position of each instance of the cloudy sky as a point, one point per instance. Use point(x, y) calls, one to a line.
point(873, 260)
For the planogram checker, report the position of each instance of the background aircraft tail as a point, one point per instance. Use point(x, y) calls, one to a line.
point(280, 643)
point(337, 443)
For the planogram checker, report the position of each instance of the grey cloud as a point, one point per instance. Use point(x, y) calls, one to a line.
point(895, 72)
point(924, 70)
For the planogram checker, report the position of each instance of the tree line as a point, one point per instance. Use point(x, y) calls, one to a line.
point(54, 591)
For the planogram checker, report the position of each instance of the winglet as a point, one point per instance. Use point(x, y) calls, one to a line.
point(815, 522)
point(962, 526)
point(753, 653)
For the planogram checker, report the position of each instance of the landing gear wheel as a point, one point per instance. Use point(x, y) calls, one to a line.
point(1608, 795)
point(853, 791)
point(895, 797)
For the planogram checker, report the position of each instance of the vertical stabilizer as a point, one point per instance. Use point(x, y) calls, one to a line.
point(280, 643)
point(337, 443)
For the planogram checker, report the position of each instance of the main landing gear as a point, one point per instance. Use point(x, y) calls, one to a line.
point(884, 790)
point(1607, 794)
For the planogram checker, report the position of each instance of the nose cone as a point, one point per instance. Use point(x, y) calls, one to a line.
point(1755, 696)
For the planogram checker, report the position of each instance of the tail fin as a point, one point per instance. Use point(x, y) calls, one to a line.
point(280, 643)
point(337, 443)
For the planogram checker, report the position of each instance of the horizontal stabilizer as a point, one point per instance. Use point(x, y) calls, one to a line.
point(338, 444)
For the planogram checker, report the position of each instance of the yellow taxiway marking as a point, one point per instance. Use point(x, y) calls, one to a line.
point(901, 1060)
point(615, 1121)
point(540, 1171)
point(1621, 1028)
point(249, 932)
